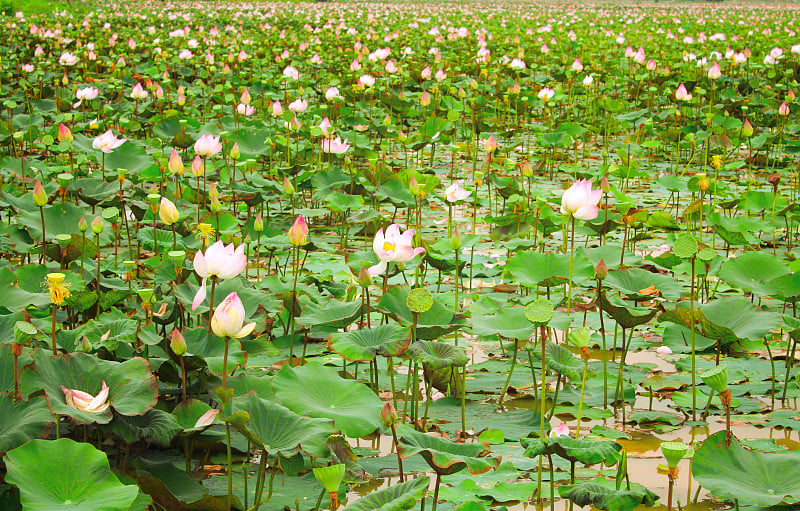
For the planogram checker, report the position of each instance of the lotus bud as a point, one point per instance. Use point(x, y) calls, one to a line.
point(288, 188)
point(167, 211)
point(783, 109)
point(747, 129)
point(388, 415)
point(215, 206)
point(82, 226)
point(605, 185)
point(198, 169)
point(86, 346)
point(298, 232)
point(527, 170)
point(413, 187)
point(364, 278)
point(235, 154)
point(455, 240)
point(39, 195)
point(177, 343)
point(258, 223)
point(175, 164)
point(601, 270)
point(424, 99)
point(97, 225)
point(64, 133)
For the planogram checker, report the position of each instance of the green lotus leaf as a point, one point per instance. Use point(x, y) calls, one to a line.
point(66, 475)
point(434, 323)
point(627, 315)
point(751, 270)
point(578, 450)
point(22, 421)
point(207, 347)
point(444, 456)
point(438, 355)
point(605, 498)
point(154, 427)
point(389, 340)
point(187, 412)
point(633, 281)
point(397, 497)
point(132, 388)
point(334, 313)
point(534, 269)
point(751, 477)
point(317, 391)
point(277, 429)
point(561, 360)
point(508, 322)
point(174, 488)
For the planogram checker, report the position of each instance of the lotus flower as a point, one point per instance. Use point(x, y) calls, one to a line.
point(546, 94)
point(207, 418)
point(332, 93)
point(561, 430)
point(714, 72)
point(783, 109)
point(581, 201)
point(393, 246)
point(228, 319)
point(298, 106)
point(291, 72)
point(138, 92)
point(86, 402)
point(64, 133)
point(326, 127)
point(220, 261)
point(335, 146)
point(87, 93)
point(207, 145)
point(67, 59)
point(107, 142)
point(245, 110)
point(175, 164)
point(455, 193)
point(681, 94)
point(277, 109)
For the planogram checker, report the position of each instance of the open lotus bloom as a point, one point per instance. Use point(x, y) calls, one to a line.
point(86, 402)
point(560, 430)
point(228, 319)
point(393, 246)
point(221, 261)
point(455, 193)
point(581, 201)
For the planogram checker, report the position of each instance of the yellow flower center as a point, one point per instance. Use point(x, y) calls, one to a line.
point(388, 247)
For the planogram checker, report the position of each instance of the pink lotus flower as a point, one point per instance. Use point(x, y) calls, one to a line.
point(277, 109)
point(298, 106)
point(546, 94)
point(517, 64)
point(220, 261)
point(783, 109)
point(425, 73)
point(298, 232)
point(207, 145)
point(366, 81)
point(67, 59)
point(245, 110)
point(490, 145)
point(455, 193)
point(107, 142)
point(326, 127)
point(664, 350)
point(651, 65)
point(64, 133)
point(291, 72)
point(561, 430)
point(581, 201)
point(335, 146)
point(440, 75)
point(138, 92)
point(393, 246)
point(714, 72)
point(228, 319)
point(332, 93)
point(86, 402)
point(87, 93)
point(577, 66)
point(681, 94)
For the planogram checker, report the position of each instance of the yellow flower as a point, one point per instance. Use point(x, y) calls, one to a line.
point(716, 161)
point(57, 288)
point(205, 231)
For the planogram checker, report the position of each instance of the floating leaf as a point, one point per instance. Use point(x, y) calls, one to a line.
point(445, 456)
point(389, 340)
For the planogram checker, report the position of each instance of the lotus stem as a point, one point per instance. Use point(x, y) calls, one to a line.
point(211, 306)
point(694, 371)
point(397, 450)
point(225, 363)
point(672, 475)
point(436, 492)
point(52, 336)
point(44, 235)
point(510, 372)
point(585, 354)
point(571, 257)
point(228, 441)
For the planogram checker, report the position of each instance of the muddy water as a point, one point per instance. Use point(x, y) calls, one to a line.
point(644, 455)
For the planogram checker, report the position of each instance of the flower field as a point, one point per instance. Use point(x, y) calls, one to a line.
point(393, 256)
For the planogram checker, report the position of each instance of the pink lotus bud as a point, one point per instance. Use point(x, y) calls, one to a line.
point(167, 211)
point(561, 430)
point(747, 129)
point(177, 343)
point(197, 166)
point(228, 319)
point(581, 201)
point(298, 232)
point(175, 164)
point(388, 415)
point(64, 133)
point(714, 72)
point(783, 109)
point(424, 99)
point(214, 205)
point(39, 195)
point(245, 97)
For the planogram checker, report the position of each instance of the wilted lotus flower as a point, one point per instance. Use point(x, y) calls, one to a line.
point(245, 110)
point(455, 193)
point(334, 146)
point(393, 246)
point(207, 145)
point(221, 261)
point(228, 319)
point(207, 418)
point(581, 201)
point(86, 402)
point(138, 92)
point(107, 142)
point(67, 59)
